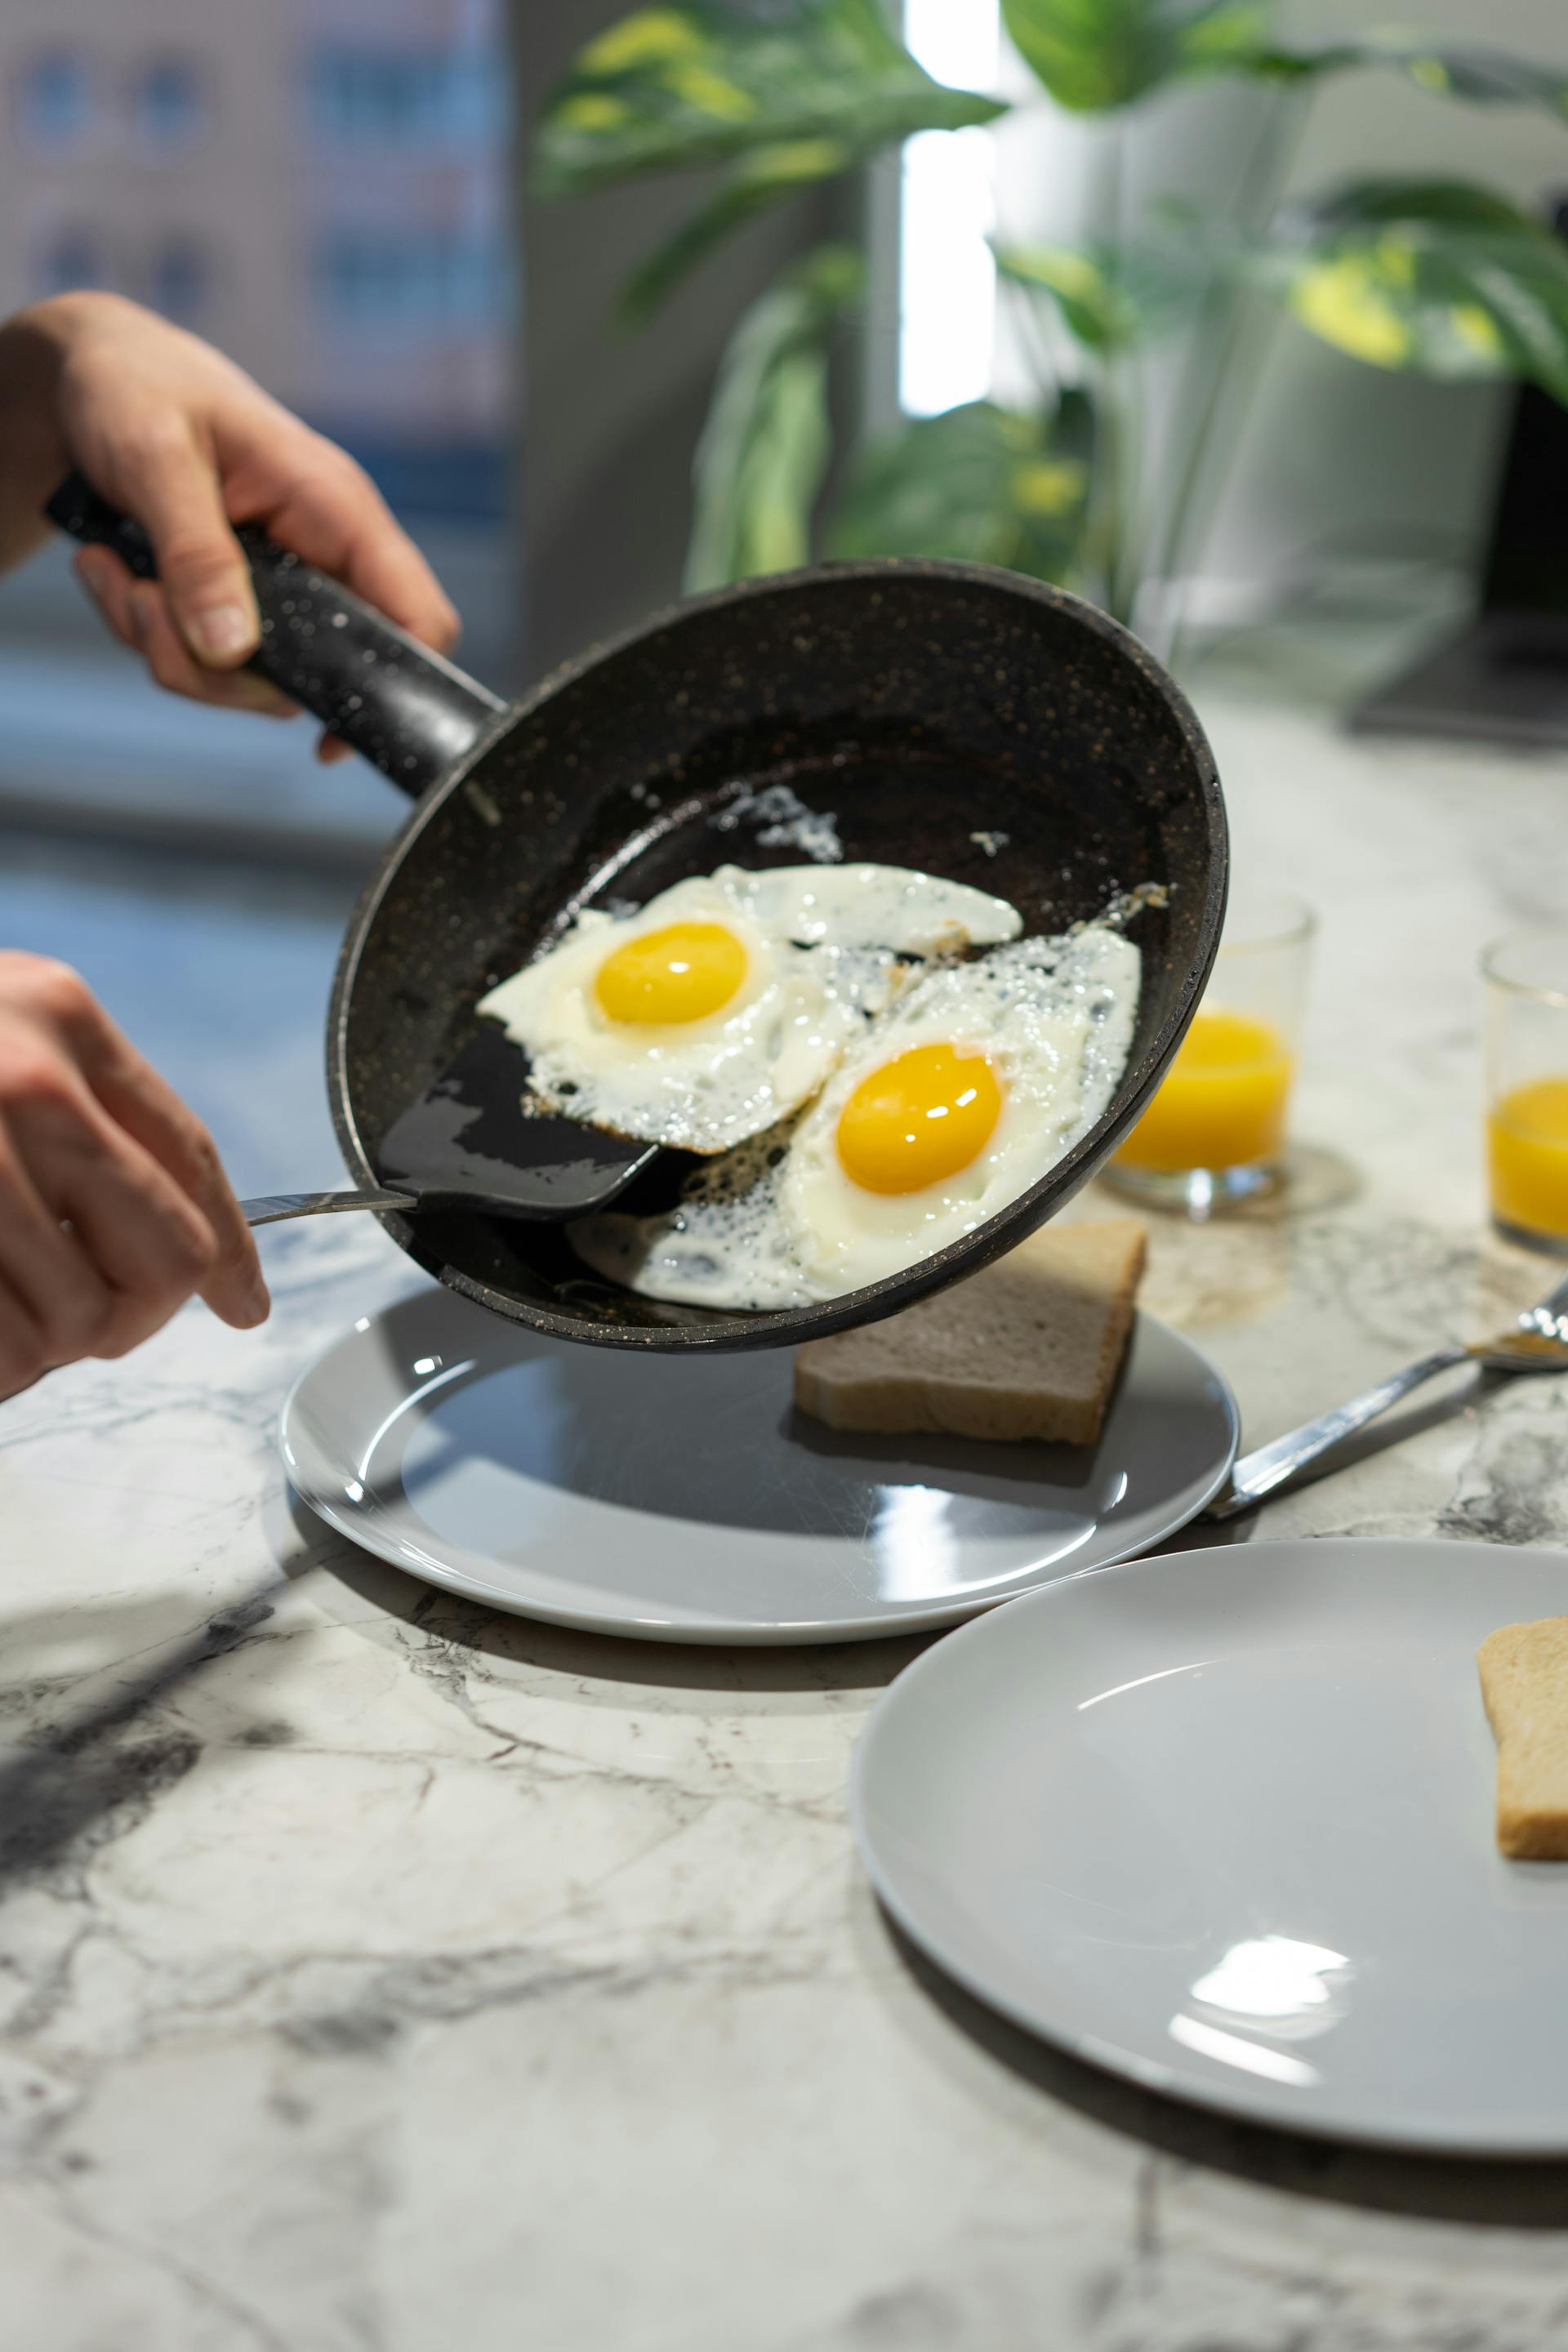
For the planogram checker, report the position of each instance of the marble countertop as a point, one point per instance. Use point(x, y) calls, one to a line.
point(379, 1975)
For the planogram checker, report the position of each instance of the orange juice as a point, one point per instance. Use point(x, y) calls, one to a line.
point(1221, 1102)
point(1526, 1136)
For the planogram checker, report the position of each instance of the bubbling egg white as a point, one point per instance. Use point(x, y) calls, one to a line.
point(973, 1086)
point(726, 1002)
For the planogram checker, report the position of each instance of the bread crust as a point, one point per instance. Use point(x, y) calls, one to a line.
point(1524, 1686)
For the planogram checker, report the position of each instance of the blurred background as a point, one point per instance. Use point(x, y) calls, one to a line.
point(1210, 344)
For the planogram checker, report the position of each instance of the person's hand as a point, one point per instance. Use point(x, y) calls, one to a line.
point(176, 435)
point(114, 1208)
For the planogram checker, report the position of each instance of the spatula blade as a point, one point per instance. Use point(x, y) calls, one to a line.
point(468, 1136)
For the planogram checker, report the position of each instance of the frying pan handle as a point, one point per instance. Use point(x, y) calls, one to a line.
point(412, 714)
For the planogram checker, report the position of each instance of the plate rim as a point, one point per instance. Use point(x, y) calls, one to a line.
point(1251, 2100)
point(781, 1634)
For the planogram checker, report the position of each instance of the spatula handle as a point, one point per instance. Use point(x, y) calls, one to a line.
point(412, 714)
point(272, 1208)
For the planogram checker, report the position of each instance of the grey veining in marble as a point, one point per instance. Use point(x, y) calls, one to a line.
point(378, 1976)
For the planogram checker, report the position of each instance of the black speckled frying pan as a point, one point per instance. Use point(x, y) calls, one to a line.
point(945, 716)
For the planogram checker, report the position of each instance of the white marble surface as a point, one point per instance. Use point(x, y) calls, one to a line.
point(380, 1976)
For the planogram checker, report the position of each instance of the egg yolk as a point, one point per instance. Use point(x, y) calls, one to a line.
point(918, 1119)
point(682, 973)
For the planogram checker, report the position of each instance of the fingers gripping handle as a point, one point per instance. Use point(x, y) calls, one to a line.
point(411, 713)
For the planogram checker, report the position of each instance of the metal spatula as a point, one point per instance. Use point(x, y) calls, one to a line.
point(466, 1142)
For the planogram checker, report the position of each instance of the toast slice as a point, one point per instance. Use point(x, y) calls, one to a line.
point(1026, 1349)
point(1524, 1682)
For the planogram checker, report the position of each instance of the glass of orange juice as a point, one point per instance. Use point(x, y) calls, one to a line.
point(1215, 1133)
point(1526, 978)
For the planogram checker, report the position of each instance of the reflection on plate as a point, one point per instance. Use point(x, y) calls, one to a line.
point(685, 1500)
point(1223, 1823)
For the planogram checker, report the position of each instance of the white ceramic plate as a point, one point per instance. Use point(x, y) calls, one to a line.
point(683, 1500)
point(1223, 1823)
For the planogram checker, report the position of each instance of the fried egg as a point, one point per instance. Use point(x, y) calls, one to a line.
point(727, 1002)
point(970, 1087)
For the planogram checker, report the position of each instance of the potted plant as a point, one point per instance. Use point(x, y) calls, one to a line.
point(1440, 276)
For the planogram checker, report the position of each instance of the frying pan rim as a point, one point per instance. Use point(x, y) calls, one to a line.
point(788, 1326)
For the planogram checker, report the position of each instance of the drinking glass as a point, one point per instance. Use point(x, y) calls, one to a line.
point(1526, 981)
point(1214, 1132)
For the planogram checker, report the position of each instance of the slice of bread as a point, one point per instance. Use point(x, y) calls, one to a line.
point(1027, 1349)
point(1524, 1681)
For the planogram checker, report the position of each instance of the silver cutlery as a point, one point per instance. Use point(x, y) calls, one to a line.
point(1537, 1342)
point(271, 1208)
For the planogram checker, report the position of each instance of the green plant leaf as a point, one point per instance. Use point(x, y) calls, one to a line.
point(751, 185)
point(1434, 276)
point(1466, 70)
point(1096, 54)
point(987, 484)
point(765, 449)
point(1112, 297)
point(668, 88)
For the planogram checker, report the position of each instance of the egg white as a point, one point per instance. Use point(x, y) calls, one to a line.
point(781, 1224)
point(825, 951)
point(1035, 1010)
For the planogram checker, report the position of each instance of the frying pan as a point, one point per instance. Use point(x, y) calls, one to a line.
point(946, 716)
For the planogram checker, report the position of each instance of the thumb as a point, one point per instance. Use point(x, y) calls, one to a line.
point(175, 495)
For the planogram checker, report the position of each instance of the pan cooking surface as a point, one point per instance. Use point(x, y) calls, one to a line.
point(879, 807)
point(886, 807)
point(954, 721)
point(883, 803)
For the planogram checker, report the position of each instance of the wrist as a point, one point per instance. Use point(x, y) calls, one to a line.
point(61, 321)
point(38, 347)
point(34, 452)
